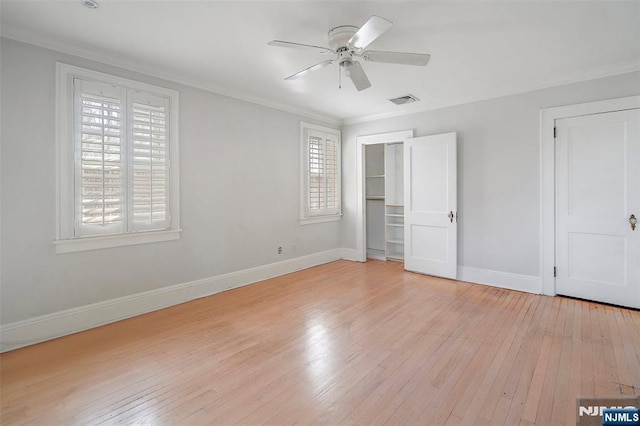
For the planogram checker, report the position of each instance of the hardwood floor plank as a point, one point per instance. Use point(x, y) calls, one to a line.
point(342, 343)
point(560, 399)
point(587, 383)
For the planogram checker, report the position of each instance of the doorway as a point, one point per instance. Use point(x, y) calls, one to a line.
point(384, 207)
point(419, 209)
point(362, 144)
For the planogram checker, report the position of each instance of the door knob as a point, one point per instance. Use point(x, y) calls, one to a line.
point(633, 221)
point(451, 216)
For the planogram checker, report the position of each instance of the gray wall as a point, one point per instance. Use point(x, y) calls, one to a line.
point(498, 169)
point(239, 189)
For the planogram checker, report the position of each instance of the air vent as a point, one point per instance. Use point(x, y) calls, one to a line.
point(406, 99)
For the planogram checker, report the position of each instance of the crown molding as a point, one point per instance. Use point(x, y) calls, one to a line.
point(126, 63)
point(592, 74)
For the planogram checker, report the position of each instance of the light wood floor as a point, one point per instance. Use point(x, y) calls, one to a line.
point(340, 343)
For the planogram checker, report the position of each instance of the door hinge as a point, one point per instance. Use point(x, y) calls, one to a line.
point(554, 132)
point(555, 272)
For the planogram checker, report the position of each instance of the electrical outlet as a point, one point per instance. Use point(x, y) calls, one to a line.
point(279, 250)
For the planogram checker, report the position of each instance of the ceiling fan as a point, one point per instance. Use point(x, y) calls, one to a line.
point(347, 43)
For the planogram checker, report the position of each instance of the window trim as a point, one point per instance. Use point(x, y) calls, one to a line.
point(65, 240)
point(307, 217)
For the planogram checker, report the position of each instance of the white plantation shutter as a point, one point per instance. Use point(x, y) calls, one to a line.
point(331, 174)
point(149, 171)
point(322, 164)
point(316, 174)
point(122, 160)
point(100, 171)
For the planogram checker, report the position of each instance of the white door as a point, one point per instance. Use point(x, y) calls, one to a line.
point(430, 197)
point(597, 191)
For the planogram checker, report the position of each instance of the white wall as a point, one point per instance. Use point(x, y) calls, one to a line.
point(498, 169)
point(239, 182)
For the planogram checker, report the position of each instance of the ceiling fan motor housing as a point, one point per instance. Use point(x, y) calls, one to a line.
point(339, 36)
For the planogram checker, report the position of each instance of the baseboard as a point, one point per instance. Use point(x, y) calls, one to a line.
point(51, 326)
point(351, 254)
point(526, 283)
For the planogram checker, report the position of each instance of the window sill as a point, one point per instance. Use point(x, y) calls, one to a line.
point(320, 219)
point(108, 241)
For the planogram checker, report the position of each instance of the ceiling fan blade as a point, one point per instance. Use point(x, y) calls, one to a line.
point(418, 59)
point(371, 30)
point(357, 75)
point(319, 49)
point(311, 68)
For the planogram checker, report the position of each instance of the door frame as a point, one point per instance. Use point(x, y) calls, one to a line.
point(361, 221)
point(548, 176)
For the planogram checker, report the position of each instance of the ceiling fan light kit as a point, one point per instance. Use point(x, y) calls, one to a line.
point(348, 42)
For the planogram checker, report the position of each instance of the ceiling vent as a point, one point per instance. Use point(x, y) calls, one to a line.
point(406, 99)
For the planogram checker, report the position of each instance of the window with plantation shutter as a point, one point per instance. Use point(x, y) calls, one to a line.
point(116, 143)
point(321, 174)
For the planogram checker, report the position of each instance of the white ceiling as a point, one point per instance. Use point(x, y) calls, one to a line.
point(479, 49)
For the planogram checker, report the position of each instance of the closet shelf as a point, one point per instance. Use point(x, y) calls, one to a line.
point(395, 205)
point(395, 241)
point(395, 215)
point(399, 225)
point(375, 197)
point(375, 176)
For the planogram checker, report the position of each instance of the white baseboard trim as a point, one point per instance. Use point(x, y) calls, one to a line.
point(526, 283)
point(57, 324)
point(351, 254)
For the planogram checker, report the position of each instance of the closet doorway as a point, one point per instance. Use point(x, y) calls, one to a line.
point(380, 195)
point(384, 205)
point(407, 201)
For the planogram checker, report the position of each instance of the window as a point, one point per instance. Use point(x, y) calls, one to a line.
point(117, 168)
point(321, 174)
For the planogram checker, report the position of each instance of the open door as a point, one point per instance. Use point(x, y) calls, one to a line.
point(430, 197)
